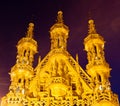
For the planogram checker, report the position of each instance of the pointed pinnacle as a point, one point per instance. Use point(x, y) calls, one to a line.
point(91, 26)
point(30, 30)
point(60, 17)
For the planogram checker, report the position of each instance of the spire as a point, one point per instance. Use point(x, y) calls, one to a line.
point(30, 30)
point(27, 47)
point(91, 26)
point(60, 17)
point(92, 33)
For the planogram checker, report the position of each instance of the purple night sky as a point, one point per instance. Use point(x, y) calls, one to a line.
point(16, 15)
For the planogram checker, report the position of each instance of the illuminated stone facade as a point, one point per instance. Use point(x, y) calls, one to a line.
point(58, 79)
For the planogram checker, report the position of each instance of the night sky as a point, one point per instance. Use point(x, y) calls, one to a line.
point(16, 15)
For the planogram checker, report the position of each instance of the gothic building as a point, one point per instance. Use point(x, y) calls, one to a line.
point(58, 79)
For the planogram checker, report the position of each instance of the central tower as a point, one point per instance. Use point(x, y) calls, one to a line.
point(59, 33)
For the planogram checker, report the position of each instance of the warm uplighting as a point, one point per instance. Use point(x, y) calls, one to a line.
point(58, 79)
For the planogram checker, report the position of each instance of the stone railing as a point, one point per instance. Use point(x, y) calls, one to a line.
point(89, 99)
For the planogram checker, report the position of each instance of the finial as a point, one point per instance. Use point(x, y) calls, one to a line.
point(60, 17)
point(30, 30)
point(39, 59)
point(92, 29)
point(77, 58)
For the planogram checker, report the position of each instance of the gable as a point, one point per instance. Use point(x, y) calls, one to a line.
point(59, 63)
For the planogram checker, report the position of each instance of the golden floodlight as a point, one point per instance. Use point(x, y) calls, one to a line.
point(58, 79)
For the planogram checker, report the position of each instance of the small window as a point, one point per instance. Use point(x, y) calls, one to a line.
point(41, 88)
point(73, 86)
point(19, 81)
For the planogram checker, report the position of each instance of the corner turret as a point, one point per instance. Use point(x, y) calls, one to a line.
point(97, 66)
point(22, 72)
